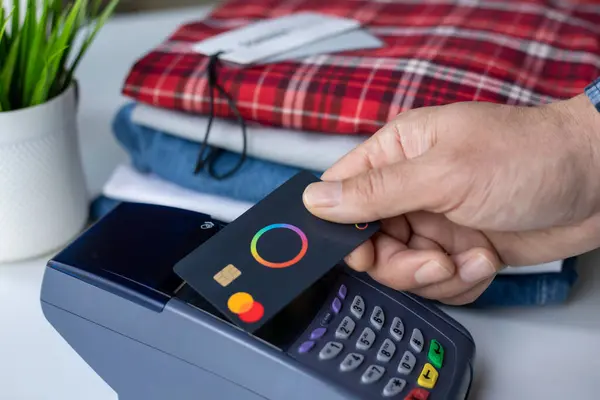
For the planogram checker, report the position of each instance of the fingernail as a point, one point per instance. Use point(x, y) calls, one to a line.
point(431, 272)
point(323, 194)
point(477, 268)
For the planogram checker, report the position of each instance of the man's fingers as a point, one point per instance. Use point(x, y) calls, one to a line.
point(362, 258)
point(473, 267)
point(477, 264)
point(397, 227)
point(453, 238)
point(419, 242)
point(469, 296)
point(360, 159)
point(407, 136)
point(547, 245)
point(382, 148)
point(401, 268)
point(385, 192)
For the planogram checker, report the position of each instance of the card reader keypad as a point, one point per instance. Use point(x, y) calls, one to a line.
point(372, 374)
point(330, 350)
point(407, 363)
point(386, 351)
point(358, 307)
point(376, 351)
point(377, 318)
point(397, 329)
point(345, 329)
point(351, 362)
point(416, 340)
point(366, 339)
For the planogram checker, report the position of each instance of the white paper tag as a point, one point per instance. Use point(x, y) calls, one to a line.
point(270, 37)
point(357, 39)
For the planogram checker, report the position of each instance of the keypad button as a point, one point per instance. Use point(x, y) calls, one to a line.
point(407, 363)
point(366, 339)
point(336, 305)
point(351, 362)
point(428, 377)
point(318, 333)
point(386, 351)
point(326, 319)
point(330, 350)
point(306, 346)
point(342, 292)
point(416, 340)
point(358, 307)
point(345, 328)
point(417, 394)
point(397, 329)
point(436, 354)
point(393, 387)
point(377, 318)
point(372, 374)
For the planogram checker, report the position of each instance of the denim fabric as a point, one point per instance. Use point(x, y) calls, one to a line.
point(505, 290)
point(173, 159)
point(530, 289)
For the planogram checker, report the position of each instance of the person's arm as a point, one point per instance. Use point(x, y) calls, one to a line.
point(466, 188)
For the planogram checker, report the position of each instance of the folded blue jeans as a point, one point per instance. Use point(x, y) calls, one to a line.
point(174, 158)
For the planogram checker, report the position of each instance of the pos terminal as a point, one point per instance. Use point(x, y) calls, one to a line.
point(113, 295)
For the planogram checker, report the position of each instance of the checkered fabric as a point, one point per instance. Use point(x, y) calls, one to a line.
point(521, 52)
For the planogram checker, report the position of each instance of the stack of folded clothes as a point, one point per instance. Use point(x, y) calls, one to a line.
point(304, 114)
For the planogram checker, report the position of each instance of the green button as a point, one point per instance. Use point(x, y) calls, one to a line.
point(436, 354)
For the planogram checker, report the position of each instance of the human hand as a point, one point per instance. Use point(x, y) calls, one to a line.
point(464, 189)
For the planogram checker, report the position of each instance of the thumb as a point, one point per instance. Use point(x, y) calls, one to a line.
point(410, 185)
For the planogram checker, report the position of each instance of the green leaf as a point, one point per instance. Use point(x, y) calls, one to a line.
point(35, 55)
point(16, 17)
point(65, 39)
point(40, 94)
point(27, 33)
point(3, 100)
point(8, 70)
point(95, 8)
point(54, 11)
point(4, 38)
point(83, 14)
point(108, 11)
point(57, 7)
point(3, 22)
point(50, 48)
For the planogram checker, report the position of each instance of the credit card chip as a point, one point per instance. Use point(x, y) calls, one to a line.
point(227, 275)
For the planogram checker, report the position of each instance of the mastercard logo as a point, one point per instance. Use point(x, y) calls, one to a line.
point(246, 308)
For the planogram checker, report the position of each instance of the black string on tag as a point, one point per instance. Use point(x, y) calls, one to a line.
point(215, 153)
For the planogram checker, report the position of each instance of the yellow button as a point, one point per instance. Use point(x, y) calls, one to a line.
point(428, 377)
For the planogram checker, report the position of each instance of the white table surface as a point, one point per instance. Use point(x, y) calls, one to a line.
point(538, 353)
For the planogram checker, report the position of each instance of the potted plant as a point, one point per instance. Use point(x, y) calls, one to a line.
point(43, 193)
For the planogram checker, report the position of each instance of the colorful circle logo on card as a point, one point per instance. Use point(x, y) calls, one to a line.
point(361, 227)
point(285, 264)
point(246, 307)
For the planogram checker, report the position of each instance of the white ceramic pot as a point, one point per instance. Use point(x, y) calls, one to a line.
point(43, 194)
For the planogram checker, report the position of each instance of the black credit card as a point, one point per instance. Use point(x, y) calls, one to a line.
point(268, 256)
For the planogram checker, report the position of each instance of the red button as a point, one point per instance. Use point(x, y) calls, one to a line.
point(417, 394)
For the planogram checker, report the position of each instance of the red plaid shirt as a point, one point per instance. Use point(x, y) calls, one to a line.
point(436, 52)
